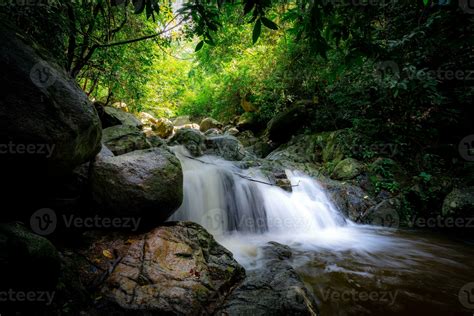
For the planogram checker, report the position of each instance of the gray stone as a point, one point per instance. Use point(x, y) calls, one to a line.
point(146, 184)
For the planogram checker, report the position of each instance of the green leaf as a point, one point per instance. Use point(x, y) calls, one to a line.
point(199, 46)
point(426, 2)
point(268, 23)
point(257, 30)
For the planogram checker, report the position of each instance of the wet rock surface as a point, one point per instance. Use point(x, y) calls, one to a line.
point(146, 184)
point(273, 289)
point(177, 269)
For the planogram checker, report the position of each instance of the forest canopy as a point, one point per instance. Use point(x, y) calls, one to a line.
point(392, 69)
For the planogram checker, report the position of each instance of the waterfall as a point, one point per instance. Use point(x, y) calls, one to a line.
point(244, 214)
point(226, 199)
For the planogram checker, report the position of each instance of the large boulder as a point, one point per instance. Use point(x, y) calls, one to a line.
point(147, 184)
point(273, 289)
point(190, 125)
point(46, 120)
point(192, 139)
point(227, 147)
point(209, 123)
point(121, 139)
point(113, 116)
point(178, 269)
point(351, 200)
point(249, 122)
point(459, 203)
point(27, 261)
point(385, 213)
point(287, 123)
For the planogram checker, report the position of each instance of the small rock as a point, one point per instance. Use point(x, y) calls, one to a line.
point(227, 147)
point(209, 123)
point(147, 119)
point(182, 120)
point(163, 128)
point(213, 132)
point(113, 116)
point(192, 139)
point(232, 131)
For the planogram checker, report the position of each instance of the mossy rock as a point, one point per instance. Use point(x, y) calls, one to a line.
point(347, 169)
point(459, 202)
point(122, 139)
point(27, 260)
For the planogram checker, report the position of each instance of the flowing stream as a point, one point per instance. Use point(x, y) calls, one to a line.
point(352, 269)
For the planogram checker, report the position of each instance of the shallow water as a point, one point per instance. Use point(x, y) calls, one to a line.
point(372, 271)
point(352, 269)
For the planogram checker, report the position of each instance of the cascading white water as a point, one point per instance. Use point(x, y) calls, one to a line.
point(220, 196)
point(331, 252)
point(244, 214)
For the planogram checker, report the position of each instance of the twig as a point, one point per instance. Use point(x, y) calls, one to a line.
point(106, 273)
point(239, 174)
